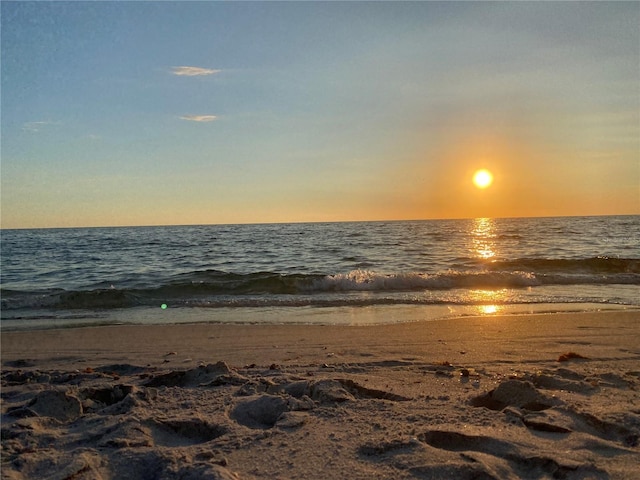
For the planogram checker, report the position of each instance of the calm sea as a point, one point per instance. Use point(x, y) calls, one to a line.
point(361, 272)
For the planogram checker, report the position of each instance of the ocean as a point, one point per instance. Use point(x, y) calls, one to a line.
point(346, 273)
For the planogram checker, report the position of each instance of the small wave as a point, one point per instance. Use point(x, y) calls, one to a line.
point(595, 265)
point(223, 283)
point(364, 280)
point(308, 289)
point(97, 299)
point(61, 299)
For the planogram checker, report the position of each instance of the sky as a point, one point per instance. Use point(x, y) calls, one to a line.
point(172, 113)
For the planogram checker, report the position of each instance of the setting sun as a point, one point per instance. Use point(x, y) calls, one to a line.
point(482, 178)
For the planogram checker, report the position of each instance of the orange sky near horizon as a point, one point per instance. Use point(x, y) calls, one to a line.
point(112, 116)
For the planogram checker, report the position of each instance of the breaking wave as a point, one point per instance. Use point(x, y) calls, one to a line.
point(219, 288)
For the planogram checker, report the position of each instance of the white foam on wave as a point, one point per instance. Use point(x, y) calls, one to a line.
point(366, 280)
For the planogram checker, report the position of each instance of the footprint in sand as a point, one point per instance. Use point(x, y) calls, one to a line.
point(520, 462)
point(180, 432)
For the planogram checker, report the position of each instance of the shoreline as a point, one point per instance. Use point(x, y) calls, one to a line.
point(364, 315)
point(263, 343)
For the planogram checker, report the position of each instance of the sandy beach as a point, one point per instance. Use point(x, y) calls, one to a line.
point(494, 397)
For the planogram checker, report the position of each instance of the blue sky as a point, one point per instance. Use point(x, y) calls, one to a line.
point(138, 113)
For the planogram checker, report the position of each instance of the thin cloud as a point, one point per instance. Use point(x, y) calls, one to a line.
point(193, 71)
point(199, 118)
point(36, 126)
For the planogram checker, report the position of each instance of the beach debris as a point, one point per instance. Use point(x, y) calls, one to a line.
point(565, 357)
point(170, 354)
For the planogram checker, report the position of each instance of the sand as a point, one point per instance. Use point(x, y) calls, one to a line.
point(495, 397)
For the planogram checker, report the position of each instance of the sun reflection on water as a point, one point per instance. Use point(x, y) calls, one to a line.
point(483, 246)
point(483, 236)
point(488, 309)
point(488, 302)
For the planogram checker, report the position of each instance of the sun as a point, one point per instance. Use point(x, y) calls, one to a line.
point(482, 178)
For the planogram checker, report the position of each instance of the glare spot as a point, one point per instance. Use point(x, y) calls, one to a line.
point(482, 178)
point(489, 309)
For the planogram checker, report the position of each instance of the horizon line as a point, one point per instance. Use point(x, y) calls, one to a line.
point(302, 222)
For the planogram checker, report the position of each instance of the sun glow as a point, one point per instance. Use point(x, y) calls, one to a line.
point(482, 178)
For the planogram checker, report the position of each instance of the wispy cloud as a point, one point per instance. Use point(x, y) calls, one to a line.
point(193, 71)
point(199, 118)
point(36, 126)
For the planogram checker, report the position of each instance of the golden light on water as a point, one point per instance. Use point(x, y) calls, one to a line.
point(484, 246)
point(483, 235)
point(483, 178)
point(488, 309)
point(489, 301)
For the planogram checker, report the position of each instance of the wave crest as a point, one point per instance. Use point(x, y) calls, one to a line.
point(218, 287)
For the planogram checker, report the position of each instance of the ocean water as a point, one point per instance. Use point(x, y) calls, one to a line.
point(360, 272)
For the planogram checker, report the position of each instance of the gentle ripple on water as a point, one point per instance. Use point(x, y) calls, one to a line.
point(554, 260)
